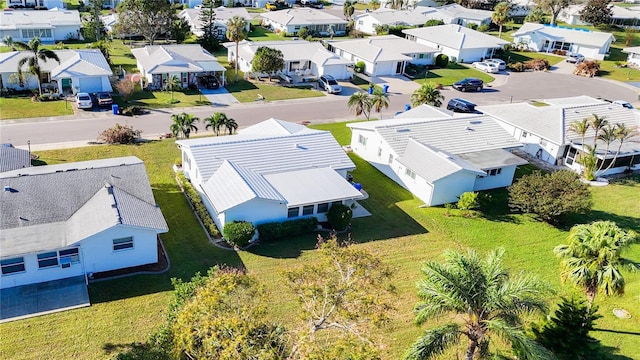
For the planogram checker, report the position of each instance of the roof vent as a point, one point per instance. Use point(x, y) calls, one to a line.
point(403, 130)
point(468, 128)
point(298, 146)
point(475, 122)
point(8, 189)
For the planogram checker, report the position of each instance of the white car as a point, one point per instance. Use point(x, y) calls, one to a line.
point(83, 101)
point(501, 64)
point(623, 103)
point(486, 67)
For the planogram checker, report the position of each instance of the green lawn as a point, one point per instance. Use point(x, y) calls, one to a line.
point(162, 99)
point(261, 33)
point(23, 107)
point(454, 72)
point(249, 91)
point(405, 235)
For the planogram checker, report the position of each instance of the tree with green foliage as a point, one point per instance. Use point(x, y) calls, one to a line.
point(550, 196)
point(183, 124)
point(180, 30)
point(427, 94)
point(536, 15)
point(8, 41)
point(171, 83)
point(467, 202)
point(554, 7)
point(215, 122)
point(35, 54)
point(348, 9)
point(236, 32)
point(597, 12)
point(566, 334)
point(238, 233)
point(359, 103)
point(95, 8)
point(489, 301)
point(268, 60)
point(148, 18)
point(344, 293)
point(433, 22)
point(593, 258)
point(379, 100)
point(339, 216)
point(442, 61)
point(500, 15)
point(207, 18)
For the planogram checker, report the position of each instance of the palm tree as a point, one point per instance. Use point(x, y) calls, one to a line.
point(592, 258)
point(360, 103)
point(33, 59)
point(8, 41)
point(622, 134)
point(580, 128)
point(597, 123)
point(236, 32)
point(172, 82)
point(500, 15)
point(607, 136)
point(231, 125)
point(379, 100)
point(183, 124)
point(486, 296)
point(217, 122)
point(427, 94)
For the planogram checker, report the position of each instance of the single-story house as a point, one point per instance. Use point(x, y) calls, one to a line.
point(460, 15)
point(620, 16)
point(269, 172)
point(223, 14)
point(521, 8)
point(456, 41)
point(50, 26)
point(438, 155)
point(304, 60)
point(106, 4)
point(383, 55)
point(368, 21)
point(633, 57)
point(110, 21)
point(82, 70)
point(546, 131)
point(290, 21)
point(49, 4)
point(187, 61)
point(12, 158)
point(76, 219)
point(409, 4)
point(545, 38)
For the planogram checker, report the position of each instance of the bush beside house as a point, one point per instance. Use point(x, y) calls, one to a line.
point(276, 230)
point(339, 217)
point(198, 206)
point(238, 233)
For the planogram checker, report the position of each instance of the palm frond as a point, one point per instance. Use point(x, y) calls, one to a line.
point(525, 347)
point(433, 342)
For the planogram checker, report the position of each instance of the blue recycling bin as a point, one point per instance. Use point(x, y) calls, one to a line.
point(370, 90)
point(407, 107)
point(385, 88)
point(114, 109)
point(358, 186)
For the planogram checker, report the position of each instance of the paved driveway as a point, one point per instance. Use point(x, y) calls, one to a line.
point(219, 96)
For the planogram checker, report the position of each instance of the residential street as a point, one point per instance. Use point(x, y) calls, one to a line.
point(84, 127)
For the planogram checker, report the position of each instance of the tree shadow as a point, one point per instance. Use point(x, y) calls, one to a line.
point(624, 222)
point(240, 85)
point(135, 351)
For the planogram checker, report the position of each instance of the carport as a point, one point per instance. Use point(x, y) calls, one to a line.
point(26, 301)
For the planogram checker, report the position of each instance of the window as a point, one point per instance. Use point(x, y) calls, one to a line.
point(307, 210)
point(362, 140)
point(494, 172)
point(421, 56)
point(410, 173)
point(184, 77)
point(123, 244)
point(69, 256)
point(379, 152)
point(294, 65)
point(11, 266)
point(293, 212)
point(543, 142)
point(323, 208)
point(49, 259)
point(390, 158)
point(41, 33)
point(525, 134)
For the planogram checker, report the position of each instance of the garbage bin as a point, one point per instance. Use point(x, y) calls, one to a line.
point(370, 90)
point(114, 109)
point(385, 88)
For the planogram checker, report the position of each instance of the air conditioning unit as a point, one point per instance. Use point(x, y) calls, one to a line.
point(66, 265)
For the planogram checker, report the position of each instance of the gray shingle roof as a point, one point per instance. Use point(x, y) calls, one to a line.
point(12, 158)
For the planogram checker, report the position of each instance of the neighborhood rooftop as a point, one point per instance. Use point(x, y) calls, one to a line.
point(12, 158)
point(456, 36)
point(157, 59)
point(81, 62)
point(382, 48)
point(302, 16)
point(29, 19)
point(560, 33)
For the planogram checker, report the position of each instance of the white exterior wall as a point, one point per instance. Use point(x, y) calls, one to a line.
point(366, 24)
point(534, 145)
point(33, 274)
point(257, 211)
point(536, 42)
point(369, 152)
point(340, 72)
point(633, 59)
point(504, 179)
point(471, 55)
point(448, 189)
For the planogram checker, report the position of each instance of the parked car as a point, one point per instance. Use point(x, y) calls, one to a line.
point(501, 64)
point(83, 101)
point(574, 58)
point(461, 105)
point(210, 82)
point(329, 83)
point(623, 103)
point(466, 84)
point(104, 99)
point(486, 66)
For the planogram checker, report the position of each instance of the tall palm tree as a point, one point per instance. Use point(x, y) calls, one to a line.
point(500, 15)
point(379, 100)
point(607, 135)
point(183, 124)
point(592, 258)
point(427, 94)
point(488, 299)
point(360, 103)
point(622, 134)
point(33, 59)
point(8, 41)
point(173, 81)
point(580, 128)
point(597, 123)
point(212, 122)
point(231, 125)
point(236, 32)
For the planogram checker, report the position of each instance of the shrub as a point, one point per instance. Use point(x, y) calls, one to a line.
point(359, 67)
point(303, 32)
point(537, 64)
point(238, 233)
point(483, 28)
point(381, 29)
point(587, 68)
point(434, 22)
point(517, 67)
point(356, 34)
point(560, 52)
point(550, 196)
point(472, 26)
point(133, 110)
point(276, 230)
point(125, 88)
point(442, 61)
point(198, 206)
point(339, 216)
point(467, 202)
point(120, 134)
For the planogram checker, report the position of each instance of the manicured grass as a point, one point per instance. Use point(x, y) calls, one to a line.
point(261, 33)
point(162, 99)
point(521, 56)
point(454, 72)
point(248, 91)
point(402, 233)
point(23, 107)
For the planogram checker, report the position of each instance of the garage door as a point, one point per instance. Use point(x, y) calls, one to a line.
point(339, 72)
point(91, 84)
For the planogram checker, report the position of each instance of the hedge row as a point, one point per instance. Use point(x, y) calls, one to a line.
point(199, 207)
point(238, 233)
point(276, 230)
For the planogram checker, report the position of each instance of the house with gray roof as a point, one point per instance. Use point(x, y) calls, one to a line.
point(368, 21)
point(77, 219)
point(269, 172)
point(189, 62)
point(437, 154)
point(80, 70)
point(290, 21)
point(546, 38)
point(620, 16)
point(383, 55)
point(546, 131)
point(223, 15)
point(49, 25)
point(12, 158)
point(458, 42)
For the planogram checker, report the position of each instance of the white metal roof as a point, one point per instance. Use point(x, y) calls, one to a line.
point(294, 50)
point(456, 37)
point(159, 59)
point(454, 11)
point(302, 16)
point(382, 48)
point(80, 63)
point(385, 16)
point(577, 36)
point(30, 19)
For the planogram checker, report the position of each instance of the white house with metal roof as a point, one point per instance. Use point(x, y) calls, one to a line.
point(458, 42)
point(272, 171)
point(457, 14)
point(619, 16)
point(186, 61)
point(633, 55)
point(223, 15)
point(71, 220)
point(545, 38)
point(383, 55)
point(368, 21)
point(437, 154)
point(82, 70)
point(546, 131)
point(290, 21)
point(49, 4)
point(50, 25)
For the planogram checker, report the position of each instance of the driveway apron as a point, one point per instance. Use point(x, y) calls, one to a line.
point(219, 97)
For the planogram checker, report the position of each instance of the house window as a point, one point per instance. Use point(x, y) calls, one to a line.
point(294, 65)
point(49, 259)
point(293, 212)
point(69, 256)
point(494, 172)
point(41, 33)
point(379, 152)
point(11, 266)
point(390, 158)
point(123, 244)
point(360, 22)
point(336, 203)
point(323, 208)
point(525, 134)
point(45, 77)
point(421, 56)
point(410, 173)
point(307, 210)
point(362, 140)
point(185, 77)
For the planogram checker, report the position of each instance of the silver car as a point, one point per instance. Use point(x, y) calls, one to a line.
point(329, 83)
point(501, 64)
point(83, 101)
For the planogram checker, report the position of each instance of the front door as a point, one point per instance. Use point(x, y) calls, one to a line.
point(399, 67)
point(66, 86)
